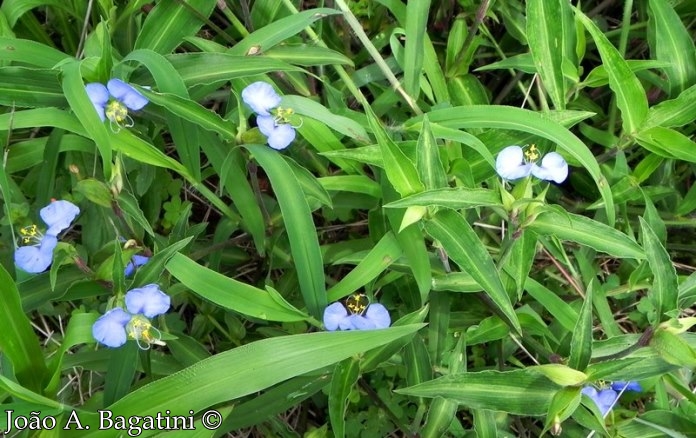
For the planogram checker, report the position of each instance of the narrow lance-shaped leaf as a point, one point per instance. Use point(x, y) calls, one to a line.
point(545, 36)
point(299, 225)
point(630, 95)
point(663, 292)
point(401, 172)
point(428, 162)
point(19, 342)
point(462, 245)
point(581, 343)
point(586, 231)
point(345, 377)
point(670, 41)
point(416, 24)
point(521, 392)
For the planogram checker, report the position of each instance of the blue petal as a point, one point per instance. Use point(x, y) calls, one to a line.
point(335, 316)
point(281, 137)
point(110, 328)
point(553, 168)
point(126, 94)
point(605, 400)
point(266, 124)
point(261, 97)
point(135, 262)
point(36, 258)
point(510, 163)
point(360, 322)
point(631, 385)
point(147, 300)
point(379, 315)
point(58, 215)
point(99, 96)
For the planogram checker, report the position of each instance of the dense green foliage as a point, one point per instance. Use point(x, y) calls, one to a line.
point(509, 300)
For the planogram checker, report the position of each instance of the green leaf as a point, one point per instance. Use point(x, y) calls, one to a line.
point(30, 88)
point(440, 415)
point(463, 245)
point(401, 172)
point(428, 162)
point(416, 25)
point(671, 42)
point(560, 374)
point(308, 107)
point(380, 257)
point(581, 342)
point(251, 368)
point(95, 191)
point(151, 271)
point(299, 225)
point(169, 22)
point(278, 31)
point(663, 292)
point(586, 231)
point(673, 349)
point(630, 95)
point(191, 111)
point(19, 343)
point(30, 52)
point(74, 90)
point(546, 34)
point(229, 293)
point(120, 373)
point(506, 117)
point(455, 198)
point(345, 376)
point(674, 112)
point(227, 67)
point(667, 143)
point(520, 392)
point(307, 55)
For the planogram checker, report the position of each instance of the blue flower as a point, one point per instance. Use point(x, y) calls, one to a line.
point(58, 215)
point(114, 100)
point(356, 315)
point(272, 120)
point(513, 163)
point(261, 98)
point(604, 399)
point(135, 262)
point(279, 136)
point(116, 326)
point(110, 328)
point(147, 300)
point(631, 385)
point(36, 258)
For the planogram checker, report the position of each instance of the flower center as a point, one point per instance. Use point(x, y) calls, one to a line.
point(282, 115)
point(30, 234)
point(116, 111)
point(357, 304)
point(140, 329)
point(531, 154)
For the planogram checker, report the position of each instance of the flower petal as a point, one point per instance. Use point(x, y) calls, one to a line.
point(36, 258)
point(553, 168)
point(99, 95)
point(110, 328)
point(631, 385)
point(360, 322)
point(510, 163)
point(281, 137)
point(58, 215)
point(605, 400)
point(135, 262)
point(379, 315)
point(126, 94)
point(261, 97)
point(335, 316)
point(147, 300)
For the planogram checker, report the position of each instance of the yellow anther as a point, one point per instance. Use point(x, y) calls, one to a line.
point(29, 234)
point(357, 304)
point(282, 115)
point(140, 329)
point(531, 154)
point(116, 111)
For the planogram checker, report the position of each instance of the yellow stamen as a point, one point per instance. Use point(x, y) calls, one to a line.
point(531, 154)
point(29, 234)
point(116, 112)
point(357, 304)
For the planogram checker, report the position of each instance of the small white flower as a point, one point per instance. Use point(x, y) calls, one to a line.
point(261, 98)
point(510, 163)
point(553, 168)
